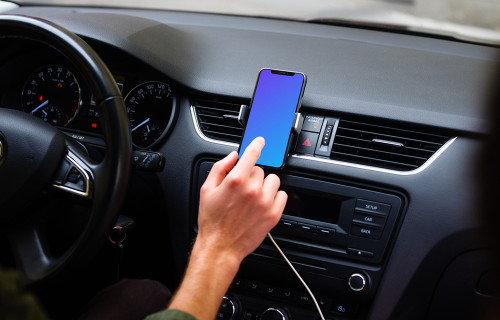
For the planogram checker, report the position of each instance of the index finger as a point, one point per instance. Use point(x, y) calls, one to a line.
point(250, 156)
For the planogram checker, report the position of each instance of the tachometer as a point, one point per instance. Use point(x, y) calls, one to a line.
point(149, 107)
point(52, 93)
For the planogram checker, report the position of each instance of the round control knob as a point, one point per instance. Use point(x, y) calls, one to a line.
point(229, 309)
point(274, 313)
point(357, 282)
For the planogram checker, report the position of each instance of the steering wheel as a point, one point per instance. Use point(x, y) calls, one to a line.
point(35, 156)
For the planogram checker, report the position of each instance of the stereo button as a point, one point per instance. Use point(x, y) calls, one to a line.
point(366, 232)
point(359, 253)
point(307, 227)
point(369, 219)
point(325, 231)
point(287, 224)
point(373, 207)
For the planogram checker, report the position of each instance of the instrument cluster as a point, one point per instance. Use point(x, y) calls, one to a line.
point(54, 94)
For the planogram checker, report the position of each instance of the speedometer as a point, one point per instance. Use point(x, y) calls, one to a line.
point(149, 107)
point(52, 93)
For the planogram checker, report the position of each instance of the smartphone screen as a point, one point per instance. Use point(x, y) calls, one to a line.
point(275, 101)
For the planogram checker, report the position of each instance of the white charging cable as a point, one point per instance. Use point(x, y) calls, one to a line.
point(298, 276)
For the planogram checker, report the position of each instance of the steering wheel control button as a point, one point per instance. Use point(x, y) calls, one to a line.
point(75, 180)
point(306, 144)
point(372, 207)
point(366, 231)
point(312, 123)
point(72, 178)
point(357, 282)
point(359, 253)
point(147, 161)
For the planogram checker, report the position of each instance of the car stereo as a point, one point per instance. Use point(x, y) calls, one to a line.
point(336, 219)
point(337, 236)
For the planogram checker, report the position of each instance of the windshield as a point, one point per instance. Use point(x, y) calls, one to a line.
point(474, 20)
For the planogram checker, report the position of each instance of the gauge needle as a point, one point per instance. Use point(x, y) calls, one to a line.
point(40, 106)
point(140, 124)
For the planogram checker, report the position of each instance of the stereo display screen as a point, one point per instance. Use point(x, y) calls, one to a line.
point(313, 207)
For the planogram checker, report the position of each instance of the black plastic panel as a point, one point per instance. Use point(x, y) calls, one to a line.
point(327, 247)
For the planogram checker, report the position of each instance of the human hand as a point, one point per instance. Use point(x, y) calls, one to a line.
point(239, 206)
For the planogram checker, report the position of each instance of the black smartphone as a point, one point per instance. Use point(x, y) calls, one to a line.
point(276, 99)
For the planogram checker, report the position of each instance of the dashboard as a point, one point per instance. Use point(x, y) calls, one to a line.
point(383, 219)
point(48, 88)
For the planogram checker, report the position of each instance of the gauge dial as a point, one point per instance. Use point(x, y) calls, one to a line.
point(149, 107)
point(53, 94)
point(51, 114)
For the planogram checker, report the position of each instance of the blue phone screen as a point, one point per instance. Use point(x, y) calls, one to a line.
point(273, 108)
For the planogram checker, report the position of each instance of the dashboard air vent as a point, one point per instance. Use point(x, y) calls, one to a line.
point(219, 120)
point(394, 147)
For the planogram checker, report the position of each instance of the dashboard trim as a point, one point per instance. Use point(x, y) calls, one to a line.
point(86, 193)
point(204, 137)
point(323, 160)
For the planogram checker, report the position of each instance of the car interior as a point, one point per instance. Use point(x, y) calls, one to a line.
point(111, 119)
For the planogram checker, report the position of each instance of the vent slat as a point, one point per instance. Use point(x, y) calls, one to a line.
point(370, 135)
point(356, 141)
point(381, 153)
point(219, 120)
point(372, 161)
point(212, 111)
point(222, 134)
point(403, 131)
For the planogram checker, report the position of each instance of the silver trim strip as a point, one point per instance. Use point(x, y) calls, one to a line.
point(337, 162)
point(85, 193)
point(204, 137)
point(395, 172)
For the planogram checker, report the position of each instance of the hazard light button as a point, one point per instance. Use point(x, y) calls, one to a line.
point(306, 144)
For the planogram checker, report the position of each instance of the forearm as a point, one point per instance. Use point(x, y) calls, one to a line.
point(238, 207)
point(207, 279)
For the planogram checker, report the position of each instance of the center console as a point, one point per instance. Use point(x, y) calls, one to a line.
point(336, 235)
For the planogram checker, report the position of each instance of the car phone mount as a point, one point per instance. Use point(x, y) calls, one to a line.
point(298, 120)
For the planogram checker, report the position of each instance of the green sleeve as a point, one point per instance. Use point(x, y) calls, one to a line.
point(15, 301)
point(170, 314)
